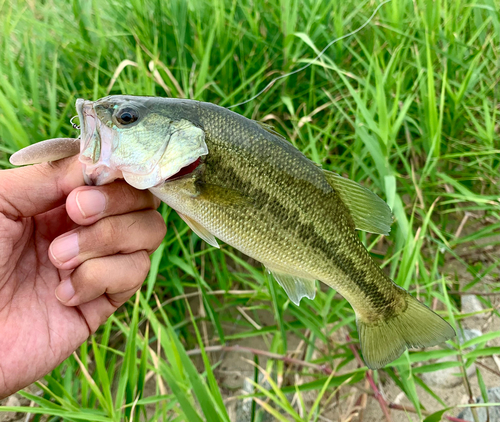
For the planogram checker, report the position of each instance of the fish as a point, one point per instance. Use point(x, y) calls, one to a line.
point(239, 181)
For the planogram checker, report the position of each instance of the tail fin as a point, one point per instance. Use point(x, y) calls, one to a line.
point(385, 340)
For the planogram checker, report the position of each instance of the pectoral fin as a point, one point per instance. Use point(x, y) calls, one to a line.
point(49, 150)
point(295, 287)
point(201, 231)
point(369, 212)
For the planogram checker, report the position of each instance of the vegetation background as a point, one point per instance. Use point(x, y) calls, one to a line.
point(408, 107)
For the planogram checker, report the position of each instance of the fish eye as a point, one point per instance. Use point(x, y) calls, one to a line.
point(127, 116)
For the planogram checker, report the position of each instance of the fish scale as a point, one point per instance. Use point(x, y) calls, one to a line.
point(236, 179)
point(325, 229)
point(297, 239)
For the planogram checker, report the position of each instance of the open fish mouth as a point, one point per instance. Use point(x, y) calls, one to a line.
point(88, 121)
point(95, 152)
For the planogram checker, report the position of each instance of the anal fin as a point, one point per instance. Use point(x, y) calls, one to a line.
point(201, 231)
point(295, 287)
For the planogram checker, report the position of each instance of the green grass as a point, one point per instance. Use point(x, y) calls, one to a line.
point(409, 107)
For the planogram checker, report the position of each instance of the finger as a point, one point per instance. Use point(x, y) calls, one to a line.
point(117, 276)
point(32, 190)
point(127, 233)
point(87, 204)
point(97, 311)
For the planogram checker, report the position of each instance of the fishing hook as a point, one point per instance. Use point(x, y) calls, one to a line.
point(75, 126)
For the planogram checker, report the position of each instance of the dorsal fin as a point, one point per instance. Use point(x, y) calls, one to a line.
point(270, 128)
point(369, 212)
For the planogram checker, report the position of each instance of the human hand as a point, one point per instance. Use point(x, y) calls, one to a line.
point(88, 245)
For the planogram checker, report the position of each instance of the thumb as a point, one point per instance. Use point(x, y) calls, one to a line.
point(32, 190)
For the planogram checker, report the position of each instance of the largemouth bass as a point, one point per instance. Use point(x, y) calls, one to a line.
point(237, 180)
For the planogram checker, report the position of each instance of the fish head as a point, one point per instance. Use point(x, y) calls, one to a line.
point(138, 139)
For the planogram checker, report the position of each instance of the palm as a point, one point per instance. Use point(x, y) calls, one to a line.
point(110, 229)
point(40, 331)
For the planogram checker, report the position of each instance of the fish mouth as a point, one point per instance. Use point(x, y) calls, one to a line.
point(95, 155)
point(88, 121)
point(88, 129)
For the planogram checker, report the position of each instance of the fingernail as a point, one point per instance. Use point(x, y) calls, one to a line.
point(65, 291)
point(65, 248)
point(90, 202)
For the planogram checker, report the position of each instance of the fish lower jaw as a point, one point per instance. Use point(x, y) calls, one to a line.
point(97, 176)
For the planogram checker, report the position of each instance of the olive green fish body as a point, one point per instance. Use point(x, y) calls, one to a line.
point(259, 194)
point(235, 179)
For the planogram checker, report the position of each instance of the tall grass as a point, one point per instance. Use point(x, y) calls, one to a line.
point(408, 107)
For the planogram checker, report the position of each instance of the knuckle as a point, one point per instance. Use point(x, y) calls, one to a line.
point(156, 229)
point(130, 198)
point(87, 274)
point(156, 202)
point(106, 232)
point(158, 225)
point(141, 264)
point(125, 191)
